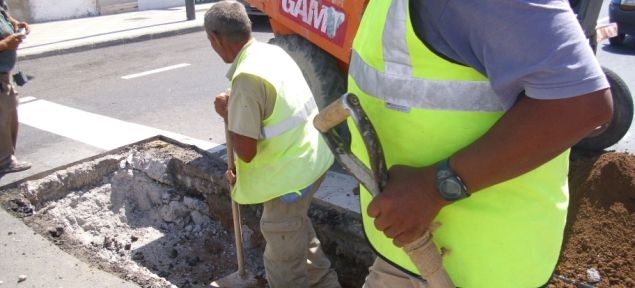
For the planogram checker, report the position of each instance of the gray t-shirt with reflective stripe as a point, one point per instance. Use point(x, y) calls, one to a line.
point(536, 46)
point(8, 58)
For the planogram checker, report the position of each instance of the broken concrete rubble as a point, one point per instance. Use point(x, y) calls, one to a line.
point(173, 201)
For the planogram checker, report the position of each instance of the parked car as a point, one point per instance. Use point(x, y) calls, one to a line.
point(622, 12)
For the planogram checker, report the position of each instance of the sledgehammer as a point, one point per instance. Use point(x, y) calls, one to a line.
point(421, 251)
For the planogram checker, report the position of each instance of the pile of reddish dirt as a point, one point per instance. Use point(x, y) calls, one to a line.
point(600, 232)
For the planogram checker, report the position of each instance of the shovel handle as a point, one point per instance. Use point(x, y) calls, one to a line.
point(238, 237)
point(428, 261)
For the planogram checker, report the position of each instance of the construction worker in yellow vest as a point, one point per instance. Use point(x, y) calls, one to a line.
point(281, 159)
point(476, 104)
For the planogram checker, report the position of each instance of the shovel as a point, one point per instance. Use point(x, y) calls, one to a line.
point(421, 251)
point(240, 278)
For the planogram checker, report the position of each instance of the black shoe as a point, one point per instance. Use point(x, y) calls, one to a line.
point(15, 166)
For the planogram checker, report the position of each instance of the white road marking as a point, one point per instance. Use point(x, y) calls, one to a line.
point(26, 99)
point(93, 129)
point(177, 66)
point(108, 133)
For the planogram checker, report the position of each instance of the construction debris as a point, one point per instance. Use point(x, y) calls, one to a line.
point(159, 214)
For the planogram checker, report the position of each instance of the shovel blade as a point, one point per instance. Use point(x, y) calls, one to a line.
point(237, 280)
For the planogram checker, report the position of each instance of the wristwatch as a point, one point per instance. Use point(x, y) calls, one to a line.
point(450, 185)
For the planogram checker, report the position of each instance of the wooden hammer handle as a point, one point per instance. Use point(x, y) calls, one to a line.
point(331, 116)
point(428, 261)
point(422, 251)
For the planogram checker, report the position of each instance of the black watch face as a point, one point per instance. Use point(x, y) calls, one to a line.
point(451, 189)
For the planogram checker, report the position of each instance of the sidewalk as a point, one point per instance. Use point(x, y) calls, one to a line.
point(58, 37)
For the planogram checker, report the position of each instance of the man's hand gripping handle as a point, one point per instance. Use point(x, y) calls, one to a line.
point(422, 251)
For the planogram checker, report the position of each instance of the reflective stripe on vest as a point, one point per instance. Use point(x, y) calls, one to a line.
point(425, 109)
point(291, 154)
point(301, 117)
point(424, 93)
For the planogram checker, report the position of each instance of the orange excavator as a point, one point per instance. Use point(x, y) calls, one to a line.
point(318, 34)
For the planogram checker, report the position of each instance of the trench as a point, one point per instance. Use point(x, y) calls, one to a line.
point(158, 213)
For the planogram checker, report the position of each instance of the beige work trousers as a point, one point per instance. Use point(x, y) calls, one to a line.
point(383, 275)
point(8, 119)
point(293, 256)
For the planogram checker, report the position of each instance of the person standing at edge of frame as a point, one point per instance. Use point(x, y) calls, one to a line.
point(9, 42)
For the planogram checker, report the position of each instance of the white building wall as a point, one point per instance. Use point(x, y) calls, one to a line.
point(35, 11)
point(45, 10)
point(159, 4)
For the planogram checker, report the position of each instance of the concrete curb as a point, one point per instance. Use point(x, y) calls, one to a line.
point(27, 55)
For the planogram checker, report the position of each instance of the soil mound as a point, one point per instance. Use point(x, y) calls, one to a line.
point(599, 247)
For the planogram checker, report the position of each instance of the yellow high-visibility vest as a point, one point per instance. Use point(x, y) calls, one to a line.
point(291, 154)
point(425, 109)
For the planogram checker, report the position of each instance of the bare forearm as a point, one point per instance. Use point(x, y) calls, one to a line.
point(530, 134)
point(10, 42)
point(19, 24)
point(12, 21)
point(245, 147)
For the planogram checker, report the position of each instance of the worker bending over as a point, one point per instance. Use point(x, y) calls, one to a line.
point(281, 159)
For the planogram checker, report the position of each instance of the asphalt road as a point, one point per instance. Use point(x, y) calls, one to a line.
point(68, 88)
point(85, 103)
